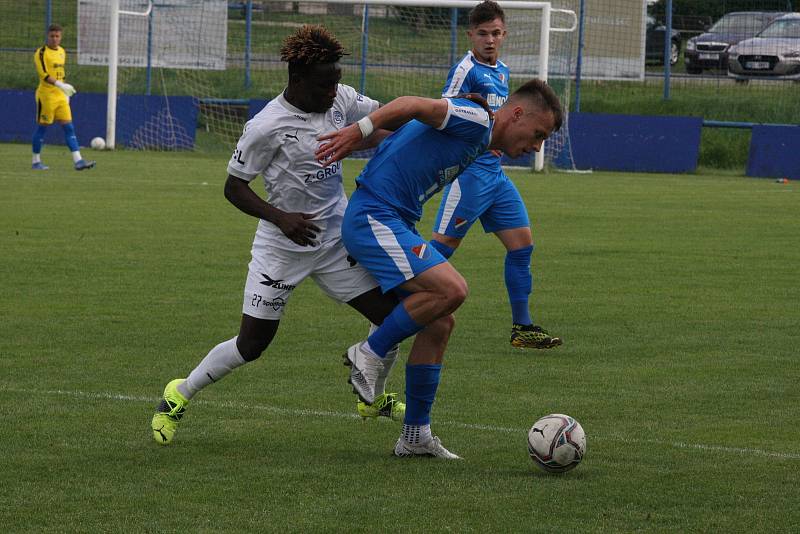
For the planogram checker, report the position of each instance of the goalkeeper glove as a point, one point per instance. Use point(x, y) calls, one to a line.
point(66, 88)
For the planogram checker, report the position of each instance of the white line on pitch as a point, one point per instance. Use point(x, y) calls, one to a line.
point(469, 426)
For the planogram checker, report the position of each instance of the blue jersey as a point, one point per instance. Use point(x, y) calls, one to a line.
point(417, 160)
point(491, 81)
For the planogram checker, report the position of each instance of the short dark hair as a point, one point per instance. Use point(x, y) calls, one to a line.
point(543, 96)
point(54, 28)
point(486, 11)
point(310, 45)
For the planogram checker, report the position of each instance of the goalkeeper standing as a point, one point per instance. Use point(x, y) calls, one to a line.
point(52, 99)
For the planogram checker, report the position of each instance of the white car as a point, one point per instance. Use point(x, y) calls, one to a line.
point(772, 54)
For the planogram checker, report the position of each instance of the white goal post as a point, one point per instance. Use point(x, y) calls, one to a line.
point(113, 63)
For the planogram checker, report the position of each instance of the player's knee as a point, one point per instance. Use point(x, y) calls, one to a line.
point(454, 293)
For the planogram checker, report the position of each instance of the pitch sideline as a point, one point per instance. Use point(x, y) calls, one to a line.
point(469, 426)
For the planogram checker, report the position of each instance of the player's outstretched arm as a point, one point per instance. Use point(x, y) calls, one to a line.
point(339, 144)
point(295, 226)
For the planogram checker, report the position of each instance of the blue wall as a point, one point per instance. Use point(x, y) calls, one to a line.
point(635, 143)
point(775, 152)
point(176, 129)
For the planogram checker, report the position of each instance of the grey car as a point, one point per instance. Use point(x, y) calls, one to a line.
point(710, 49)
point(773, 54)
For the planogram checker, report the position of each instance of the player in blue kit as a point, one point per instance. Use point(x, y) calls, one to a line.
point(378, 230)
point(483, 191)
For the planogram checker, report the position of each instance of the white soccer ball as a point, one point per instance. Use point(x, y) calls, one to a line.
point(98, 143)
point(556, 443)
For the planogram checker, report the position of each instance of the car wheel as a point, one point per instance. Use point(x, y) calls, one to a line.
point(674, 53)
point(694, 70)
point(740, 81)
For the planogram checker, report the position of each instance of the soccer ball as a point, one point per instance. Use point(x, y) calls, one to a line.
point(556, 443)
point(98, 143)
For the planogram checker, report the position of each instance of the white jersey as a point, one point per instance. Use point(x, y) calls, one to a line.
point(279, 143)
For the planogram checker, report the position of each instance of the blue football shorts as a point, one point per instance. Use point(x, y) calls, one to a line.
point(384, 243)
point(475, 194)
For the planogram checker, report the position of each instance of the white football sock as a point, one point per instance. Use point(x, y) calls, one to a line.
point(220, 361)
point(388, 362)
point(76, 156)
point(416, 434)
point(37, 158)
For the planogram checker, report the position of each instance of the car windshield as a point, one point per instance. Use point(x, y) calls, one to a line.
point(740, 24)
point(783, 29)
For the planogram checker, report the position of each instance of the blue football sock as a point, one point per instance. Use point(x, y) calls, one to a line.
point(38, 138)
point(443, 249)
point(70, 137)
point(395, 328)
point(421, 384)
point(519, 283)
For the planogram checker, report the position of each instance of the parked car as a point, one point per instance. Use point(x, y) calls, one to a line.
point(654, 42)
point(709, 50)
point(774, 53)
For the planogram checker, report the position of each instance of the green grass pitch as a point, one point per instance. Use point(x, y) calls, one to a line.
point(677, 298)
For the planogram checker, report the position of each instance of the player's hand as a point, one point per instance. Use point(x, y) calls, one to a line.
point(66, 88)
point(338, 145)
point(297, 227)
point(478, 99)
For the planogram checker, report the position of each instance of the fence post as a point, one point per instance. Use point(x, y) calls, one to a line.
point(48, 16)
point(149, 75)
point(453, 34)
point(667, 49)
point(364, 47)
point(248, 24)
point(579, 59)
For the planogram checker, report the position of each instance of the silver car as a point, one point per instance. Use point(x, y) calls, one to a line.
point(772, 54)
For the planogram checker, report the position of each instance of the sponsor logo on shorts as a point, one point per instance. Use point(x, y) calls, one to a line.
point(460, 222)
point(277, 284)
point(421, 251)
point(276, 304)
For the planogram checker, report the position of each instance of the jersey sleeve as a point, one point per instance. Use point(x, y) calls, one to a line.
point(357, 105)
point(465, 119)
point(459, 80)
point(41, 67)
point(254, 152)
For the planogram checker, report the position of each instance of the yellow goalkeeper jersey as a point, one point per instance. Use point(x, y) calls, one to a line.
point(49, 62)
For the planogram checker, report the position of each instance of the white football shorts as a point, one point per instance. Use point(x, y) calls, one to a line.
point(275, 273)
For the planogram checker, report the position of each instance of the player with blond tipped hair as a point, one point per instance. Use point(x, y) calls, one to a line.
point(299, 225)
